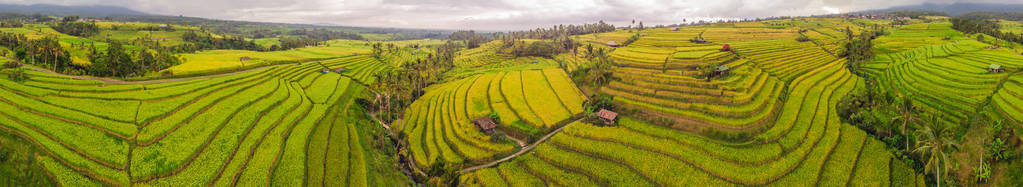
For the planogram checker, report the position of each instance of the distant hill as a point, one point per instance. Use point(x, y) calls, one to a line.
point(61, 10)
point(953, 9)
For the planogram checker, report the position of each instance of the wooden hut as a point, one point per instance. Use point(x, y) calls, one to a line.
point(607, 116)
point(674, 29)
point(485, 124)
point(244, 58)
point(719, 71)
point(995, 68)
point(340, 70)
point(612, 44)
point(722, 69)
point(325, 70)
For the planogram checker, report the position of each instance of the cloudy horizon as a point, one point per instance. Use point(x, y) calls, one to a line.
point(483, 15)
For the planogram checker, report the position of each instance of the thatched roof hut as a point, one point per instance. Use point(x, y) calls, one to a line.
point(995, 68)
point(485, 124)
point(612, 44)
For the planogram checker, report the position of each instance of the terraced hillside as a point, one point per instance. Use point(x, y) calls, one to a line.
point(660, 74)
point(487, 53)
point(264, 127)
point(807, 145)
point(948, 77)
point(528, 103)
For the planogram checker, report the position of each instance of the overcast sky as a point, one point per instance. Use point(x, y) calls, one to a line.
point(487, 15)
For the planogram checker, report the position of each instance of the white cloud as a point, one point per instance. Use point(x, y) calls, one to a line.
point(485, 15)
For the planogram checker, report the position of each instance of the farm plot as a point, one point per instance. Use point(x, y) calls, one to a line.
point(952, 85)
point(225, 60)
point(361, 68)
point(785, 59)
point(745, 98)
point(487, 53)
point(249, 128)
point(1009, 99)
point(527, 103)
point(807, 145)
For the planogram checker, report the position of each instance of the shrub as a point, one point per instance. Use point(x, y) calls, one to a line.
point(11, 65)
point(802, 38)
point(498, 136)
point(494, 116)
point(18, 75)
point(539, 49)
point(631, 39)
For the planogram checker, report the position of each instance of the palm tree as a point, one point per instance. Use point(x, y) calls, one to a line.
point(935, 143)
point(906, 116)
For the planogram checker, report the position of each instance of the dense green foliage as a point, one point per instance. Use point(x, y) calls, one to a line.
point(71, 26)
point(207, 41)
point(988, 27)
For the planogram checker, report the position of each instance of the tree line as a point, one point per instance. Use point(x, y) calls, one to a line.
point(399, 88)
point(70, 26)
point(562, 30)
point(989, 27)
point(859, 49)
point(206, 41)
point(115, 60)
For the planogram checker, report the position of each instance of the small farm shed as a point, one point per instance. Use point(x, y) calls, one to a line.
point(485, 124)
point(674, 29)
point(720, 71)
point(612, 44)
point(726, 47)
point(995, 68)
point(325, 70)
point(607, 116)
point(340, 70)
point(244, 58)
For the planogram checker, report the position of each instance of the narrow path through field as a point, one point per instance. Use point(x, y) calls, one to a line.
point(522, 151)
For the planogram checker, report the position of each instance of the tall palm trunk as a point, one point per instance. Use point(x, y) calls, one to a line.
point(905, 136)
point(938, 175)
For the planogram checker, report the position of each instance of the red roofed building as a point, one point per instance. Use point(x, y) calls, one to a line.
point(607, 116)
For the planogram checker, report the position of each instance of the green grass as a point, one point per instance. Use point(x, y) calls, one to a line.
point(248, 128)
point(691, 54)
point(792, 87)
point(439, 123)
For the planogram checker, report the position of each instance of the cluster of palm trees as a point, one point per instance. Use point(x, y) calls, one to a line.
point(935, 141)
point(398, 88)
point(601, 67)
point(925, 136)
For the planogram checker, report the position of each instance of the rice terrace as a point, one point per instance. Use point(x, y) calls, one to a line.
point(509, 93)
